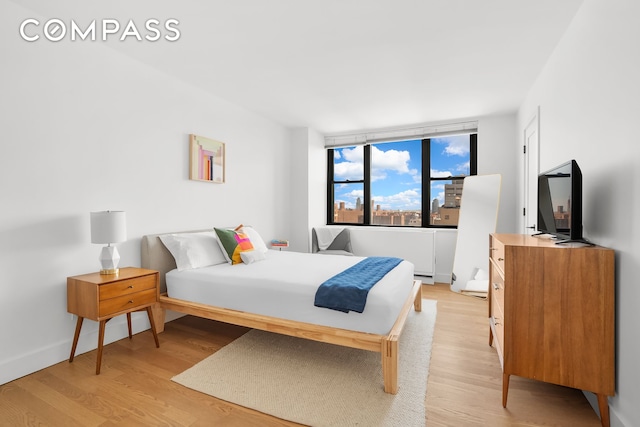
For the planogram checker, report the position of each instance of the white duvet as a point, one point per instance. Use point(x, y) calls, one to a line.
point(284, 286)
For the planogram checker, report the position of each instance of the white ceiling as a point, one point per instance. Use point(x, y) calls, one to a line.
point(348, 65)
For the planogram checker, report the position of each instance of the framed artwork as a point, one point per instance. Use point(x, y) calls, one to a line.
point(206, 159)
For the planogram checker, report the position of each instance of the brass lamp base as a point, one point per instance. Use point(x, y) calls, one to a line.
point(110, 271)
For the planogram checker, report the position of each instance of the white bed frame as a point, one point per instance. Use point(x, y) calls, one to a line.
point(155, 256)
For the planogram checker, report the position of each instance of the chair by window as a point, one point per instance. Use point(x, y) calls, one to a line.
point(331, 240)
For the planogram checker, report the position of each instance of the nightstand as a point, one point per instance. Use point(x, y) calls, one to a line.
point(101, 297)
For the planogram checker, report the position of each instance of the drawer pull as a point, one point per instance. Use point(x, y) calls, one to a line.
point(500, 259)
point(496, 286)
point(130, 301)
point(130, 286)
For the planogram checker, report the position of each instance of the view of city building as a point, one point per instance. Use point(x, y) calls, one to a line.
point(449, 212)
point(562, 217)
point(445, 215)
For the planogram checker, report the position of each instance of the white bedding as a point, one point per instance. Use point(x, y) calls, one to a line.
point(284, 286)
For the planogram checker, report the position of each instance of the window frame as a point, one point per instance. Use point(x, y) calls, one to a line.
point(427, 179)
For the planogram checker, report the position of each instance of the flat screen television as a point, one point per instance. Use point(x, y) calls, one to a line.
point(560, 202)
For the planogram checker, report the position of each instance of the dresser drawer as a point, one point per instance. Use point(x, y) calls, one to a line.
point(127, 302)
point(128, 286)
point(497, 252)
point(497, 286)
point(497, 320)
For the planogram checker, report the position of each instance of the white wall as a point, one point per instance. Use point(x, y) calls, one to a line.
point(299, 171)
point(588, 96)
point(497, 147)
point(498, 144)
point(84, 129)
point(308, 185)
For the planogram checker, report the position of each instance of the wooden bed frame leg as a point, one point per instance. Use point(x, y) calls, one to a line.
point(417, 303)
point(390, 365)
point(159, 315)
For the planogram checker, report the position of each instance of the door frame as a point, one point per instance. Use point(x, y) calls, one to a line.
point(530, 171)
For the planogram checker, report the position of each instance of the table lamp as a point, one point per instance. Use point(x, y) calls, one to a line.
point(108, 227)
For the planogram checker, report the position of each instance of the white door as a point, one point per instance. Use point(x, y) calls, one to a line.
point(531, 170)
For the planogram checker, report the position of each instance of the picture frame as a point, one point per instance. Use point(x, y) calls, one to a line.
point(206, 159)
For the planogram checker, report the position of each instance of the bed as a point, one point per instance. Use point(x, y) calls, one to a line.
point(377, 329)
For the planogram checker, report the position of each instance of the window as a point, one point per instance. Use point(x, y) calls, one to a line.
point(347, 175)
point(450, 159)
point(384, 184)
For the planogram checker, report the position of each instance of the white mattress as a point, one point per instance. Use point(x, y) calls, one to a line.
point(284, 286)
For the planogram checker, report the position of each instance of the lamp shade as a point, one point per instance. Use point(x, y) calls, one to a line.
point(108, 227)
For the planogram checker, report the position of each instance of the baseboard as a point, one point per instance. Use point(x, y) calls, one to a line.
point(442, 278)
point(44, 357)
point(426, 280)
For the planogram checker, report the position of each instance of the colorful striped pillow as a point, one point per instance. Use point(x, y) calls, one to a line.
point(232, 244)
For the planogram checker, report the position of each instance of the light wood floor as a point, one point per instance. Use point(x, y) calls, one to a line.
point(134, 388)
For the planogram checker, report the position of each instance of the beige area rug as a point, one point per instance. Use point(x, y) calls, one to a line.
point(320, 384)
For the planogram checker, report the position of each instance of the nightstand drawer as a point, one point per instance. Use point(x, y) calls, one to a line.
point(127, 302)
point(128, 286)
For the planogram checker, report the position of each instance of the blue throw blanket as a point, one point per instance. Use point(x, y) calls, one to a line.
point(348, 290)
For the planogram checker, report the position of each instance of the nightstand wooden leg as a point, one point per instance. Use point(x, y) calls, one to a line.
point(129, 323)
point(153, 326)
point(100, 345)
point(75, 338)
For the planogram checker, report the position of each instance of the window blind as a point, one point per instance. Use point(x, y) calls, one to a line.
point(400, 134)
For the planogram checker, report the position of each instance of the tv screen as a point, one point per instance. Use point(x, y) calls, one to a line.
point(560, 202)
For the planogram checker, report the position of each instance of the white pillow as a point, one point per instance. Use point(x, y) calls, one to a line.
point(256, 239)
point(194, 250)
point(252, 256)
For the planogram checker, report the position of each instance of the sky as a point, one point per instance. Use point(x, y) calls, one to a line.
point(396, 171)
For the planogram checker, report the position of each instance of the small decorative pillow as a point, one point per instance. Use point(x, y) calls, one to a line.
point(232, 244)
point(256, 239)
point(249, 257)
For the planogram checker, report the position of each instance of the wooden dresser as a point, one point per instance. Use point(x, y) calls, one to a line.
point(551, 313)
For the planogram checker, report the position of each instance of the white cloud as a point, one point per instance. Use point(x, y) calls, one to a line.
point(355, 154)
point(390, 160)
point(381, 163)
point(463, 168)
point(405, 200)
point(454, 145)
point(348, 170)
point(441, 174)
point(354, 194)
point(353, 166)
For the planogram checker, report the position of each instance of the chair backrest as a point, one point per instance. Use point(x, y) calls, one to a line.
point(342, 242)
